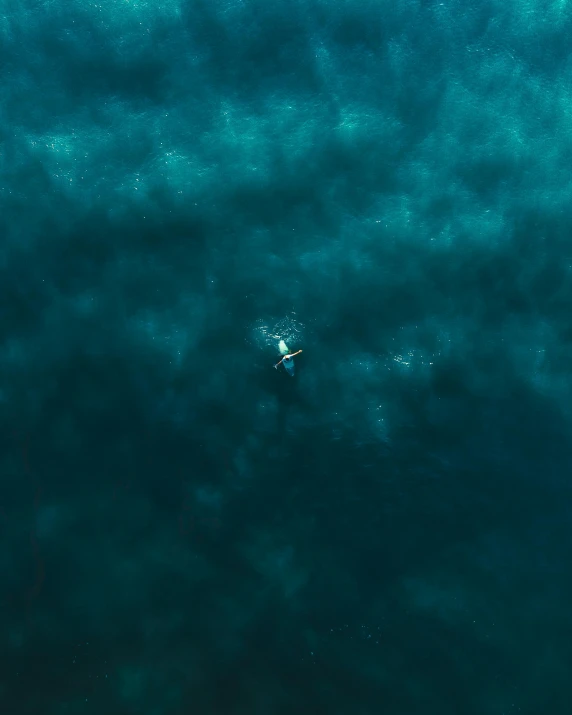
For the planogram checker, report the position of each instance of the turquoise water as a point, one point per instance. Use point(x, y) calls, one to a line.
point(385, 185)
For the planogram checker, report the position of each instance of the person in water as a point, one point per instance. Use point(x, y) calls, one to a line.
point(288, 362)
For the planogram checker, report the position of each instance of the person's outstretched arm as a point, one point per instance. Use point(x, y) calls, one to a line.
point(294, 355)
point(278, 363)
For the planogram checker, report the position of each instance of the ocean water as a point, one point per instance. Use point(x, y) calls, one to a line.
point(385, 185)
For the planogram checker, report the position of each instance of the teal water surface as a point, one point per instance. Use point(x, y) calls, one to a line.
point(385, 185)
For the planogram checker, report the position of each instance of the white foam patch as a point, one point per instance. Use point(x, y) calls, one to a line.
point(268, 334)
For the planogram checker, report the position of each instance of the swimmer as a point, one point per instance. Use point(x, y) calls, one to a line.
point(288, 361)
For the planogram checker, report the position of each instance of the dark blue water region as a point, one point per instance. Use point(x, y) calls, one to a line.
point(384, 185)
